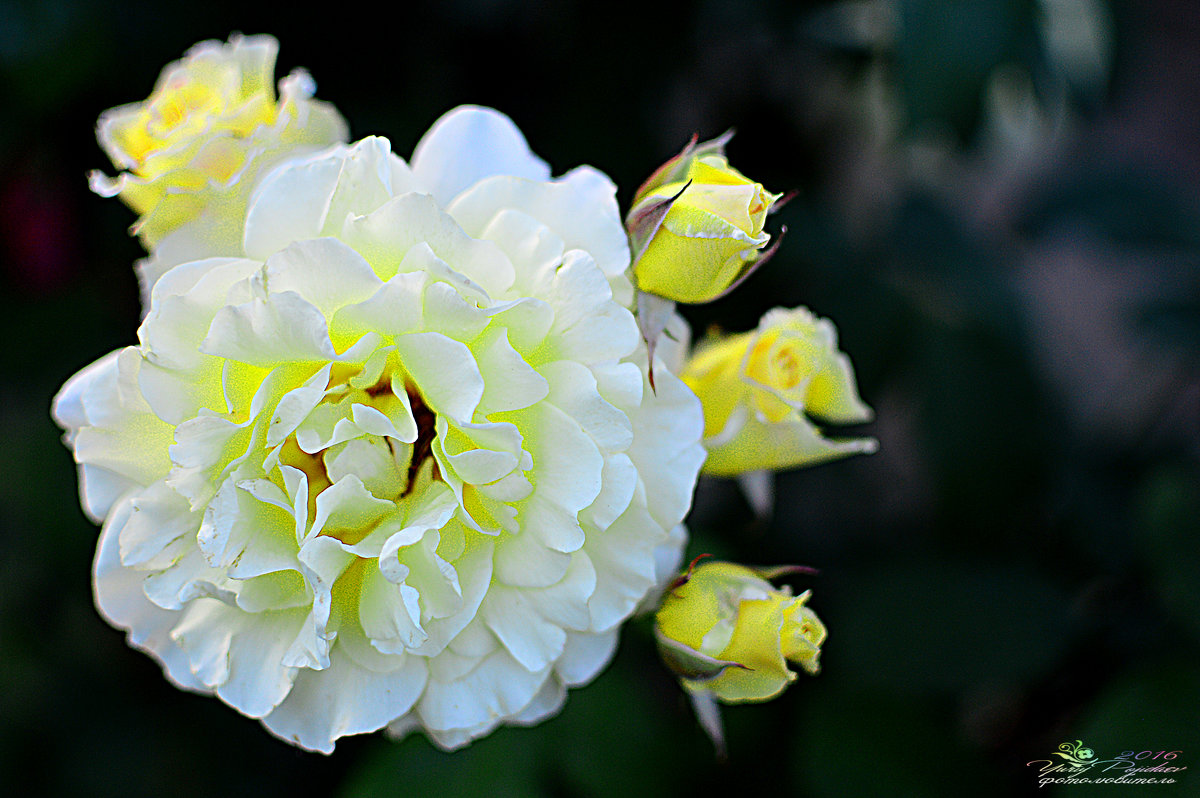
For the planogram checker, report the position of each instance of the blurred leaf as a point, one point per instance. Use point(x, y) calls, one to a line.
point(1129, 205)
point(864, 744)
point(947, 49)
point(947, 271)
point(986, 429)
point(615, 740)
point(1168, 535)
point(505, 765)
point(1150, 709)
point(1175, 322)
point(933, 627)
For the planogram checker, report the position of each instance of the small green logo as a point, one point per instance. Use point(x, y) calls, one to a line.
point(1075, 753)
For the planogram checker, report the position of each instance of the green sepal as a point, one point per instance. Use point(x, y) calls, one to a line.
point(708, 713)
point(777, 571)
point(676, 169)
point(643, 222)
point(653, 314)
point(751, 267)
point(687, 663)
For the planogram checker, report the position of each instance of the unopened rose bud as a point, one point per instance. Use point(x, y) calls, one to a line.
point(759, 389)
point(726, 631)
point(697, 226)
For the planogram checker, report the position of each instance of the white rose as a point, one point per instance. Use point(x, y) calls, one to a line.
point(401, 465)
point(193, 151)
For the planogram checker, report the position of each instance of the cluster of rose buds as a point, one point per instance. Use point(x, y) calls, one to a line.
point(697, 232)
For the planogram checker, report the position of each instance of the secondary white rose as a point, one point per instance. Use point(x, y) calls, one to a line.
point(400, 466)
point(194, 150)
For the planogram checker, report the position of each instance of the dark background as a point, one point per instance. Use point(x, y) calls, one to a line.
point(1002, 220)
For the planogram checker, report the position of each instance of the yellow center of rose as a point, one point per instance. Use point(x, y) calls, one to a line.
point(183, 109)
point(170, 109)
point(776, 365)
point(787, 368)
point(390, 468)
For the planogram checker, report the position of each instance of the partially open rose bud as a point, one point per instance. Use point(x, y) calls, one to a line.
point(697, 226)
point(759, 388)
point(725, 630)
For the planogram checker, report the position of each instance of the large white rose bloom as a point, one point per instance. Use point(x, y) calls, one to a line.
point(400, 466)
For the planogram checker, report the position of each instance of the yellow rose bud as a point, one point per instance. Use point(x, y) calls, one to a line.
point(711, 236)
point(210, 126)
point(759, 388)
point(728, 632)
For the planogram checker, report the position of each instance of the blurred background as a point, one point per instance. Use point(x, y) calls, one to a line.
point(998, 205)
